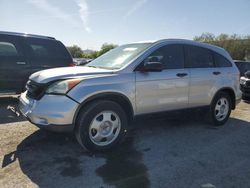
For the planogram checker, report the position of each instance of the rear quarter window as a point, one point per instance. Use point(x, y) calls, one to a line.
point(47, 49)
point(221, 61)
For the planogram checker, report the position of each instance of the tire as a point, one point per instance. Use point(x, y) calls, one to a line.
point(220, 109)
point(101, 125)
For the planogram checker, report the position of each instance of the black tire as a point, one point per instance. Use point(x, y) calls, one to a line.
point(212, 111)
point(87, 115)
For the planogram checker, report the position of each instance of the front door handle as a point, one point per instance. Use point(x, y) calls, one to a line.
point(21, 63)
point(181, 74)
point(216, 73)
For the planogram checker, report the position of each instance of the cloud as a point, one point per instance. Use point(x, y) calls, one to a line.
point(135, 7)
point(54, 11)
point(84, 13)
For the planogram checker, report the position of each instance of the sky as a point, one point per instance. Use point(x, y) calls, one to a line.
point(90, 23)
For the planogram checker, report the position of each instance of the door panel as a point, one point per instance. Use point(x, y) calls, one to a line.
point(165, 90)
point(204, 76)
point(161, 91)
point(203, 83)
point(14, 68)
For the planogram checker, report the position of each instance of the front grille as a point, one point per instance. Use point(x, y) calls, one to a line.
point(35, 90)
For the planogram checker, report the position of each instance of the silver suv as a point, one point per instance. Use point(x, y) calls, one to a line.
point(99, 100)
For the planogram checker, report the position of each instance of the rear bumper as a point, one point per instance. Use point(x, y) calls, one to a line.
point(237, 101)
point(52, 112)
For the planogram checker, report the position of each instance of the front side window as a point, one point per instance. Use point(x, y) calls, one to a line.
point(119, 57)
point(221, 61)
point(7, 49)
point(171, 56)
point(199, 57)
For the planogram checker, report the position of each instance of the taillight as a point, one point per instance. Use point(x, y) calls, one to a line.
point(72, 65)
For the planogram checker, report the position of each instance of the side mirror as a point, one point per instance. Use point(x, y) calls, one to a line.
point(153, 67)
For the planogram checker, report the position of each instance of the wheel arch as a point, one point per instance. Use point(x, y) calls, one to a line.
point(231, 93)
point(119, 98)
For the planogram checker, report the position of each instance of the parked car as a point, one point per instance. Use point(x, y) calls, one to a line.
point(23, 54)
point(245, 85)
point(98, 101)
point(81, 61)
point(243, 66)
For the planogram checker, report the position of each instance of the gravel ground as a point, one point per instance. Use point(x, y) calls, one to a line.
point(159, 152)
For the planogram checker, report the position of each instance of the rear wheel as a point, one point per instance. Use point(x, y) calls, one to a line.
point(101, 126)
point(220, 109)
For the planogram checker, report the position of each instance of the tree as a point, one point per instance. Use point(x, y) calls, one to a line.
point(105, 48)
point(75, 51)
point(238, 46)
point(205, 37)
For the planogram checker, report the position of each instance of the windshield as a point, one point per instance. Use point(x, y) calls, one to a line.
point(119, 57)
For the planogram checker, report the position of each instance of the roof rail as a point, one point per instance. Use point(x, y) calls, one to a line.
point(25, 34)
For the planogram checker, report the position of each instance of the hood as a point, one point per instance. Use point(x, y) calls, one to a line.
point(49, 75)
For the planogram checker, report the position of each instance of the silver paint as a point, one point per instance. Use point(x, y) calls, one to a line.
point(147, 92)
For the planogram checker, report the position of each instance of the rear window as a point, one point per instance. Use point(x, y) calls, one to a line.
point(7, 49)
point(199, 57)
point(47, 48)
point(221, 61)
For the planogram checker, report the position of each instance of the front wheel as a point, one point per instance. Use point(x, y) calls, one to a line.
point(101, 125)
point(220, 109)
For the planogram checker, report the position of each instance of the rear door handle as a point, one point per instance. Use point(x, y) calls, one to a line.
point(181, 74)
point(216, 73)
point(21, 63)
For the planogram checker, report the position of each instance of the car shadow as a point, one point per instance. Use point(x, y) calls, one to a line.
point(9, 110)
point(247, 101)
point(56, 160)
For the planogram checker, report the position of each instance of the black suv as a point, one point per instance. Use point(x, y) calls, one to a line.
point(243, 66)
point(23, 54)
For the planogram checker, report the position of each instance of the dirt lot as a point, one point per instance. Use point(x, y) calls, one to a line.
point(169, 152)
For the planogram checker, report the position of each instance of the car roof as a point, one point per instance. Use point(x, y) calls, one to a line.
point(193, 43)
point(25, 35)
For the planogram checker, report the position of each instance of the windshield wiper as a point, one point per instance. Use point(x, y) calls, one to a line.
point(99, 67)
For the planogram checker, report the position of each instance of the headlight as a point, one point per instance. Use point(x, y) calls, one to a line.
point(62, 87)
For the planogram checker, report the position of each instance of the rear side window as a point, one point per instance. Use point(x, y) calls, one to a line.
point(39, 50)
point(47, 48)
point(171, 56)
point(199, 57)
point(221, 61)
point(7, 49)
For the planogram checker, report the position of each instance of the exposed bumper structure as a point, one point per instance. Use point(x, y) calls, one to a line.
point(54, 112)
